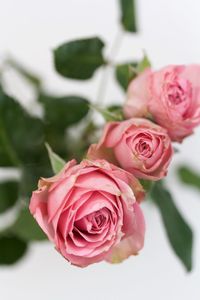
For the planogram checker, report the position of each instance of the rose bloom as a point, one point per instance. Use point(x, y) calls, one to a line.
point(91, 212)
point(175, 99)
point(137, 145)
point(172, 97)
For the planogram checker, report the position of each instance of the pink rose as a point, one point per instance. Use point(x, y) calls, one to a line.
point(137, 96)
point(90, 212)
point(137, 145)
point(175, 99)
point(171, 96)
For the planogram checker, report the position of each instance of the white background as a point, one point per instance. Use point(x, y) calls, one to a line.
point(170, 33)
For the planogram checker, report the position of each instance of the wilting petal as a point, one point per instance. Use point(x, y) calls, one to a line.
point(100, 152)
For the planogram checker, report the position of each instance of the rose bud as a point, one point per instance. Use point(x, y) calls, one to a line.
point(175, 99)
point(137, 145)
point(90, 211)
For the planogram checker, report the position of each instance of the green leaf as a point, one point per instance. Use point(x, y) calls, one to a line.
point(178, 231)
point(11, 249)
point(124, 74)
point(8, 195)
point(21, 135)
point(22, 143)
point(32, 173)
point(143, 64)
point(80, 137)
point(61, 112)
point(147, 184)
point(27, 228)
point(116, 109)
point(128, 15)
point(80, 58)
point(57, 162)
point(113, 113)
point(110, 113)
point(189, 176)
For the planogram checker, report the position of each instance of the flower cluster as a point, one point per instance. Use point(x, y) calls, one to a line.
point(91, 211)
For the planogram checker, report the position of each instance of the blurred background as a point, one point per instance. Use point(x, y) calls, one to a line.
point(169, 32)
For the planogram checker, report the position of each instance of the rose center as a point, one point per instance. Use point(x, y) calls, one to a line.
point(142, 146)
point(144, 149)
point(178, 95)
point(98, 219)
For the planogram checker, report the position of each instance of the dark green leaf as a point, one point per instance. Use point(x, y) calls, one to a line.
point(21, 136)
point(80, 138)
point(58, 141)
point(147, 184)
point(11, 249)
point(128, 15)
point(124, 74)
point(189, 176)
point(27, 228)
point(57, 162)
point(61, 112)
point(178, 231)
point(8, 194)
point(80, 58)
point(31, 174)
point(22, 143)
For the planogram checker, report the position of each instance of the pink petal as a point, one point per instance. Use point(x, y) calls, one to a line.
point(132, 244)
point(38, 208)
point(138, 96)
point(98, 181)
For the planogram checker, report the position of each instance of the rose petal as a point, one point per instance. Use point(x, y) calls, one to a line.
point(130, 245)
